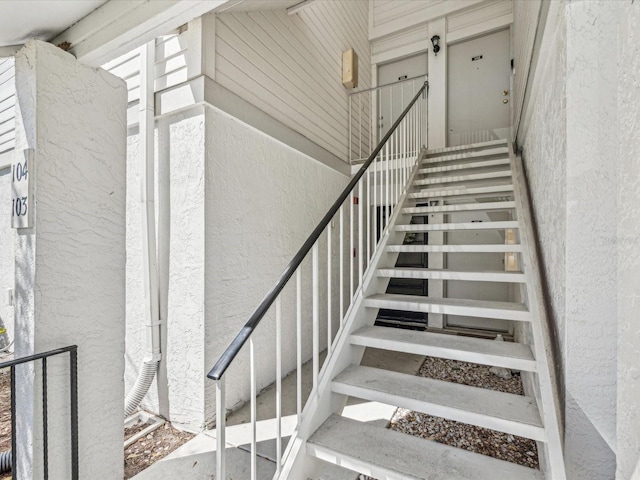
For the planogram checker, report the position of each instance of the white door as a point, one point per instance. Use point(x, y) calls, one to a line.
point(478, 89)
point(400, 76)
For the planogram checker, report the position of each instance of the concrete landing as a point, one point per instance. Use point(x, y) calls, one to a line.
point(197, 458)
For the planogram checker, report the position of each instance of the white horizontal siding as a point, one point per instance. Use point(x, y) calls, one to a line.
point(290, 66)
point(388, 17)
point(400, 44)
point(7, 104)
point(481, 13)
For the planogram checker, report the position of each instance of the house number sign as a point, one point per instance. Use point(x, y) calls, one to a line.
point(21, 192)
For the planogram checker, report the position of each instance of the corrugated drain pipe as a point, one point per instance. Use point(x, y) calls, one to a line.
point(149, 255)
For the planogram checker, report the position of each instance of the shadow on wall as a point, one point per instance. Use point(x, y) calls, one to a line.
point(586, 460)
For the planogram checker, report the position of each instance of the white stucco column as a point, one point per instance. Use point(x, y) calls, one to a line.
point(590, 245)
point(70, 265)
point(628, 242)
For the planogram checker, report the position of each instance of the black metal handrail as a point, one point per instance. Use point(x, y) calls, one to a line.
point(245, 332)
point(73, 386)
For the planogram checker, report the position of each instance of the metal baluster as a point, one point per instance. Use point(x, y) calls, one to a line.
point(341, 264)
point(316, 315)
point(390, 159)
point(221, 425)
point(14, 444)
point(360, 139)
point(73, 385)
point(386, 186)
point(368, 207)
point(252, 378)
point(278, 383)
point(351, 246)
point(404, 137)
point(360, 233)
point(375, 206)
point(45, 419)
point(299, 340)
point(350, 134)
point(329, 326)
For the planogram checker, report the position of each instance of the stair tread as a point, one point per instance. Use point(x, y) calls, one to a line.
point(462, 207)
point(477, 248)
point(463, 178)
point(428, 227)
point(465, 166)
point(394, 455)
point(490, 143)
point(449, 192)
point(465, 154)
point(516, 356)
point(451, 306)
point(433, 273)
point(505, 412)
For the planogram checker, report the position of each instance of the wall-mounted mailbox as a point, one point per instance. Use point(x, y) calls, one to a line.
point(350, 69)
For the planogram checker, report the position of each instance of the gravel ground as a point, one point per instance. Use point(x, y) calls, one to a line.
point(5, 415)
point(151, 448)
point(480, 440)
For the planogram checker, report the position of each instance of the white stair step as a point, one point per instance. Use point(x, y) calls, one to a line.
point(437, 274)
point(504, 412)
point(465, 155)
point(451, 306)
point(515, 356)
point(385, 454)
point(465, 166)
point(463, 178)
point(480, 248)
point(471, 146)
point(451, 192)
point(439, 227)
point(462, 207)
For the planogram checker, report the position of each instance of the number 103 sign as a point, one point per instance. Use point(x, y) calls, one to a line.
point(21, 191)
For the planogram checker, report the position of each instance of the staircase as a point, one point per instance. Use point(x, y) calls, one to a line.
point(483, 178)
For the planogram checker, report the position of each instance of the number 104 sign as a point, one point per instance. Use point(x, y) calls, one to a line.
point(21, 191)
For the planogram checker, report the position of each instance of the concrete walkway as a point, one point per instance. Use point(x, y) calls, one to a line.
point(197, 458)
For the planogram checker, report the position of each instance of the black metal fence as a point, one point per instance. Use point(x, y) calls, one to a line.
point(73, 377)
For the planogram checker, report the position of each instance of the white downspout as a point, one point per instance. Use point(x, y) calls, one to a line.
point(149, 254)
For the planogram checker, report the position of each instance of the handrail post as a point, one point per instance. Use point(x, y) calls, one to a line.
point(221, 425)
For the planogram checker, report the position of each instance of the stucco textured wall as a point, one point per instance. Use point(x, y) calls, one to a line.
point(569, 151)
point(234, 205)
point(628, 230)
point(7, 273)
point(70, 267)
point(263, 200)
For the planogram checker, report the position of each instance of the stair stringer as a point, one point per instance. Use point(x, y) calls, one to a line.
point(547, 396)
point(323, 402)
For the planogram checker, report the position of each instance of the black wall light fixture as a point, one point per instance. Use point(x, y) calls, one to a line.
point(435, 40)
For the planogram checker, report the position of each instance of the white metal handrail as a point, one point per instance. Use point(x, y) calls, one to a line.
point(378, 185)
point(369, 107)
